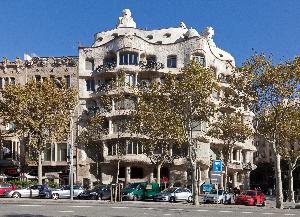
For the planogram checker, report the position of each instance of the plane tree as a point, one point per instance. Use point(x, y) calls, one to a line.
point(40, 111)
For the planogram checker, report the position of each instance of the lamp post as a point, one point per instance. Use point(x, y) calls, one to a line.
point(71, 147)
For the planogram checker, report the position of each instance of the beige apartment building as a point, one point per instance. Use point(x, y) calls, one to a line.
point(146, 56)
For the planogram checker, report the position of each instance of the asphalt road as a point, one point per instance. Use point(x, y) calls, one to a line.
point(41, 208)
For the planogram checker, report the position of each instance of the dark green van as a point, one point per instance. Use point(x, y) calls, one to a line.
point(140, 190)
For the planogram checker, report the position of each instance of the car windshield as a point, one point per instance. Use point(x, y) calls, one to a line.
point(170, 190)
point(133, 185)
point(214, 191)
point(250, 193)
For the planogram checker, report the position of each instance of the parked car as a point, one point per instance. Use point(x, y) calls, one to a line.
point(140, 190)
point(174, 194)
point(6, 187)
point(44, 191)
point(251, 198)
point(65, 192)
point(24, 192)
point(219, 196)
point(100, 192)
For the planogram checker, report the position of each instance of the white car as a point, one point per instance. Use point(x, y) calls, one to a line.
point(65, 192)
point(24, 192)
point(217, 197)
point(174, 194)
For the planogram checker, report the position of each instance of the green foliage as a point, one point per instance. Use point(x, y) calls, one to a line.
point(167, 111)
point(22, 184)
point(39, 110)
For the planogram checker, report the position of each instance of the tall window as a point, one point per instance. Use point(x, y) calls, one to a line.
point(38, 78)
point(89, 64)
point(12, 81)
point(90, 85)
point(171, 62)
point(199, 126)
point(68, 80)
point(128, 58)
point(133, 147)
point(199, 58)
point(129, 80)
point(112, 148)
point(62, 152)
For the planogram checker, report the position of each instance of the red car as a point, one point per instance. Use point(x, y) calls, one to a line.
point(251, 198)
point(6, 187)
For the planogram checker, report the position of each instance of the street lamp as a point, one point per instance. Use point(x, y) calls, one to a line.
point(71, 151)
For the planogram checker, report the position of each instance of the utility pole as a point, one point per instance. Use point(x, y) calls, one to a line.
point(71, 156)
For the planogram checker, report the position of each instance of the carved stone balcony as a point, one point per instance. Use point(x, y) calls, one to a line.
point(109, 66)
point(151, 65)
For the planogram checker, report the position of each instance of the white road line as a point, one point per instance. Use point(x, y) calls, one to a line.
point(267, 213)
point(119, 207)
point(225, 211)
point(247, 212)
point(290, 214)
point(176, 209)
point(30, 205)
point(148, 208)
point(202, 210)
point(167, 214)
point(80, 206)
point(66, 211)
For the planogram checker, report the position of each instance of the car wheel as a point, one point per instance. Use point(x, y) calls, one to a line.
point(190, 199)
point(55, 196)
point(264, 203)
point(221, 201)
point(172, 199)
point(16, 195)
point(255, 203)
point(135, 197)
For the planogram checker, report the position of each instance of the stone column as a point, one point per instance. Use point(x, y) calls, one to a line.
point(110, 128)
point(234, 180)
point(118, 59)
point(247, 180)
point(127, 175)
point(135, 79)
point(222, 181)
point(151, 177)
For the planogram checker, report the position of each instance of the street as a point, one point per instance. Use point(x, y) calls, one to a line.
point(40, 208)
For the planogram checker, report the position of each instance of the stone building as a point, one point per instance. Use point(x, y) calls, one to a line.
point(146, 56)
point(14, 155)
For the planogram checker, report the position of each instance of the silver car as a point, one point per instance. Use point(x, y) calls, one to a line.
point(24, 192)
point(218, 197)
point(174, 194)
point(65, 192)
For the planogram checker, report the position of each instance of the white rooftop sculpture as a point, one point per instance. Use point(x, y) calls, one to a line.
point(126, 20)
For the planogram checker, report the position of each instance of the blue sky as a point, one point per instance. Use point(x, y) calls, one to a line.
point(55, 28)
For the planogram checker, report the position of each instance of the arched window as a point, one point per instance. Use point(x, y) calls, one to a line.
point(89, 64)
point(199, 58)
point(128, 58)
point(172, 61)
point(110, 58)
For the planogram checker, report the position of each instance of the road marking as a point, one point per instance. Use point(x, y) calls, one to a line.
point(80, 206)
point(225, 211)
point(247, 212)
point(148, 208)
point(29, 205)
point(119, 207)
point(167, 214)
point(202, 210)
point(176, 209)
point(289, 214)
point(267, 213)
point(66, 211)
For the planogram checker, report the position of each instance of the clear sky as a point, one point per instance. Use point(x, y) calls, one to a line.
point(55, 28)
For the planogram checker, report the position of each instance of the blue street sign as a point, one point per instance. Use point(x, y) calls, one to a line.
point(207, 187)
point(217, 166)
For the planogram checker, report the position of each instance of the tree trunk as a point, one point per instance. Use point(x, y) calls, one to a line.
point(117, 180)
point(291, 183)
point(194, 183)
point(279, 196)
point(158, 173)
point(40, 168)
point(225, 178)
